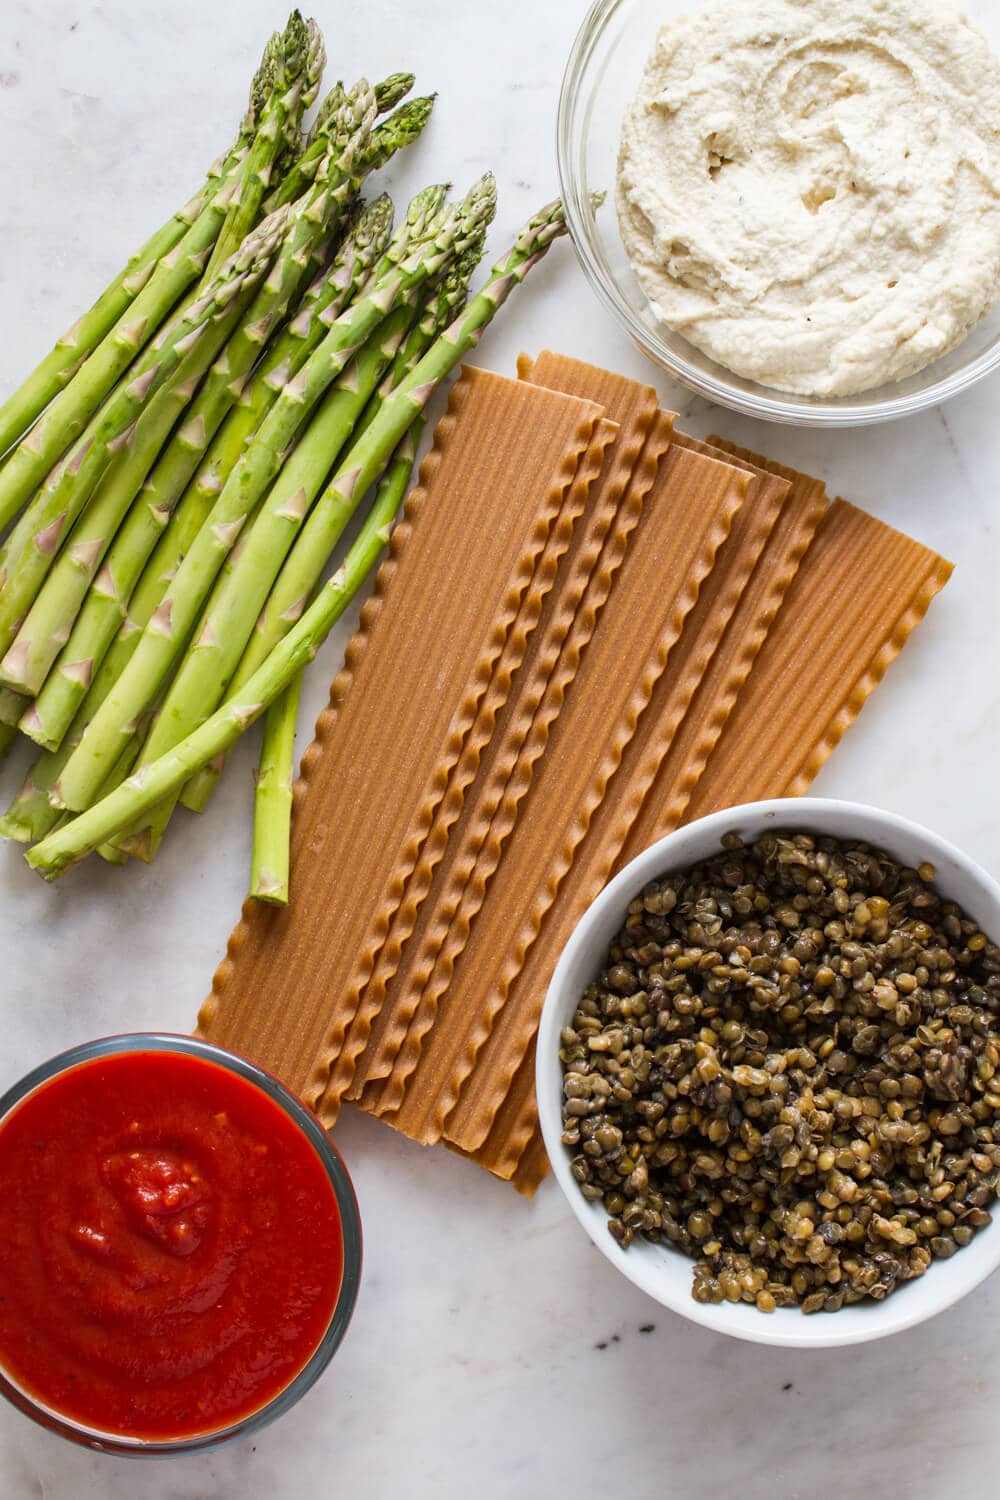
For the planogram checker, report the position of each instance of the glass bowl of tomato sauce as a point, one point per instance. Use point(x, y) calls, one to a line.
point(180, 1245)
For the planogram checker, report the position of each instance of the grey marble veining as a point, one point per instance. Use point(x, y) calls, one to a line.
point(494, 1353)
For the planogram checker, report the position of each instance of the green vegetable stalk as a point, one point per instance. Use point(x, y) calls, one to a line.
point(158, 533)
point(168, 631)
point(140, 793)
point(65, 358)
point(272, 805)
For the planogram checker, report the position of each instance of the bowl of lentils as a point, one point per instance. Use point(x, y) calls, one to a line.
point(769, 1072)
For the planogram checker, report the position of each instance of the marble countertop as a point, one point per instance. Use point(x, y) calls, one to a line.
point(494, 1353)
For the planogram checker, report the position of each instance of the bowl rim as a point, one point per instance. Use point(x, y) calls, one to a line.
point(872, 824)
point(120, 1444)
point(781, 407)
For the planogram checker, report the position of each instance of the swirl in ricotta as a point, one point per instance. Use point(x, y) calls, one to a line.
point(809, 190)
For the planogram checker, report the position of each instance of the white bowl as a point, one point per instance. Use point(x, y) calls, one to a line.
point(665, 1273)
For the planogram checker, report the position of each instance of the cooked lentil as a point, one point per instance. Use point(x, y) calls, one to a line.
point(789, 1069)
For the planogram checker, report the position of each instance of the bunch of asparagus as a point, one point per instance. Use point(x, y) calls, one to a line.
point(179, 470)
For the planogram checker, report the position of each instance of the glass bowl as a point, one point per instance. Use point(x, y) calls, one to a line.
point(350, 1221)
point(604, 68)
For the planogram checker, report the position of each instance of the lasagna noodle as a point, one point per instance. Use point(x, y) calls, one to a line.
point(459, 562)
point(703, 630)
point(859, 591)
point(664, 804)
point(412, 991)
point(687, 517)
point(400, 915)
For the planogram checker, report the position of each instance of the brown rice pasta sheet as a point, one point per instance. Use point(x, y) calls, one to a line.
point(702, 632)
point(504, 457)
point(760, 460)
point(532, 1167)
point(401, 914)
point(859, 591)
point(429, 968)
point(687, 516)
point(663, 807)
point(750, 538)
point(411, 984)
point(515, 1125)
point(533, 1163)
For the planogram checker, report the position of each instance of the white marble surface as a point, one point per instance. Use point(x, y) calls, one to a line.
point(494, 1353)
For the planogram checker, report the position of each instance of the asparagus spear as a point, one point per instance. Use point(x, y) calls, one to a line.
point(273, 814)
point(388, 94)
point(74, 480)
point(228, 622)
point(301, 174)
point(400, 129)
point(48, 622)
point(66, 356)
point(273, 798)
point(387, 138)
point(46, 628)
point(157, 781)
point(299, 59)
point(12, 706)
point(68, 414)
point(61, 363)
point(241, 591)
point(318, 537)
point(167, 632)
point(312, 76)
point(31, 815)
point(327, 109)
point(93, 638)
point(151, 784)
point(392, 90)
point(437, 313)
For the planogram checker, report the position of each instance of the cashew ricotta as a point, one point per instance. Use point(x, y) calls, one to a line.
point(809, 190)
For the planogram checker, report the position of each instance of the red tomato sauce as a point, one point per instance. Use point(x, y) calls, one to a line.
point(170, 1246)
